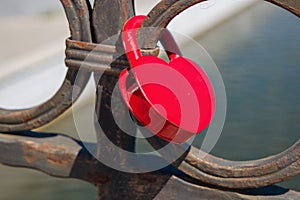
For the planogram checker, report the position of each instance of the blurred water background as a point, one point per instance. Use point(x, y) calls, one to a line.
point(256, 51)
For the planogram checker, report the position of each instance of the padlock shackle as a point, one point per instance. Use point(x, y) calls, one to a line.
point(130, 42)
point(170, 45)
point(132, 48)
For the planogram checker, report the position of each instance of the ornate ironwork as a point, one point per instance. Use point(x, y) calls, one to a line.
point(61, 156)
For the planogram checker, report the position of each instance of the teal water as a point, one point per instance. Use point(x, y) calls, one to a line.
point(258, 56)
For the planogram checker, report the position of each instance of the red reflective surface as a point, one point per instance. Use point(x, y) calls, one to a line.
point(174, 100)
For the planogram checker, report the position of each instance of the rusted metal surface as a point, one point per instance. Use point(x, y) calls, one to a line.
point(223, 173)
point(212, 170)
point(96, 57)
point(50, 153)
point(62, 156)
point(177, 188)
point(189, 177)
point(19, 120)
point(219, 167)
point(166, 10)
point(120, 182)
point(255, 173)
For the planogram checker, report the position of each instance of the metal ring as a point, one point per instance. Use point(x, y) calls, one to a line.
point(27, 119)
point(213, 170)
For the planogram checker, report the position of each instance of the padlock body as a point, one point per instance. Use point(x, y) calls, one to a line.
point(174, 100)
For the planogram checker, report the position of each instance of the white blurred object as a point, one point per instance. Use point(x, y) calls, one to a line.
point(143, 7)
point(32, 47)
point(205, 16)
point(201, 17)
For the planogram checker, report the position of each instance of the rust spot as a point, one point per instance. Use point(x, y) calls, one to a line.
point(125, 10)
point(80, 12)
point(80, 44)
point(192, 160)
point(18, 114)
point(29, 151)
point(97, 177)
point(56, 155)
point(66, 3)
point(27, 117)
point(36, 123)
point(146, 177)
point(41, 107)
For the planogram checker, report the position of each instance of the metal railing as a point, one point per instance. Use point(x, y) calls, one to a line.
point(61, 156)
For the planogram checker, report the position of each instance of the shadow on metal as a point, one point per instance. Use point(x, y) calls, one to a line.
point(189, 177)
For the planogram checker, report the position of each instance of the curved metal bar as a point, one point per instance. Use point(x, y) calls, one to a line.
point(210, 169)
point(27, 119)
point(241, 182)
point(177, 188)
point(45, 153)
point(230, 169)
point(40, 151)
point(165, 11)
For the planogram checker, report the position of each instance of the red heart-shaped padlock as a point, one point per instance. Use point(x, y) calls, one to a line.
point(174, 100)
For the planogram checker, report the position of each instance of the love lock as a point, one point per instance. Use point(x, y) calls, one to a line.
point(173, 100)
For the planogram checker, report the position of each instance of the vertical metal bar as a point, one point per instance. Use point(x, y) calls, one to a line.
point(108, 19)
